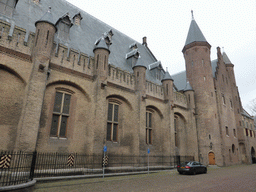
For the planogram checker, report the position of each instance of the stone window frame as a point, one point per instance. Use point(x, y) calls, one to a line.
point(58, 133)
point(149, 127)
point(112, 121)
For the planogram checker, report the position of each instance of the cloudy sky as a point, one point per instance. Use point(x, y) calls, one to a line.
point(227, 23)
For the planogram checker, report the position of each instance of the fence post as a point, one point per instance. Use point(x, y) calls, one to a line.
point(33, 164)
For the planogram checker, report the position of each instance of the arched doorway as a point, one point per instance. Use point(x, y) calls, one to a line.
point(211, 157)
point(253, 155)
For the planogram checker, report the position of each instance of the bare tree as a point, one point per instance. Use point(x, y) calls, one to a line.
point(252, 106)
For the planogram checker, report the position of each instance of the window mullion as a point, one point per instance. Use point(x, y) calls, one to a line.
point(59, 124)
point(113, 120)
point(61, 110)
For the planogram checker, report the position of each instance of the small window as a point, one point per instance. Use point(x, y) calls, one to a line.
point(234, 132)
point(60, 114)
point(227, 131)
point(112, 122)
point(246, 132)
point(231, 104)
point(233, 148)
point(148, 128)
point(64, 25)
point(223, 100)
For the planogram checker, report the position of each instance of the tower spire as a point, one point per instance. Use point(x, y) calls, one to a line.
point(192, 15)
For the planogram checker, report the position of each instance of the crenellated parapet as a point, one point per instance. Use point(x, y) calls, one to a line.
point(154, 90)
point(180, 99)
point(15, 38)
point(72, 59)
point(121, 77)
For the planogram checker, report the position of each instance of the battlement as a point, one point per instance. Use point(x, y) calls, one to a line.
point(121, 77)
point(180, 99)
point(72, 59)
point(16, 38)
point(154, 90)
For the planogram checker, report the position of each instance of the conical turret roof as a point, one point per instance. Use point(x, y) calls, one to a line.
point(188, 87)
point(101, 44)
point(167, 76)
point(140, 63)
point(194, 33)
point(47, 17)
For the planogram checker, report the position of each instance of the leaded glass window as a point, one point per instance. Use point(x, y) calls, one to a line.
point(148, 128)
point(112, 122)
point(60, 114)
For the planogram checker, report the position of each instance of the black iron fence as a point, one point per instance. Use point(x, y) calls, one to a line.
point(19, 167)
point(15, 168)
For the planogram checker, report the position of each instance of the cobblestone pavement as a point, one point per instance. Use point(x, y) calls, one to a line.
point(228, 179)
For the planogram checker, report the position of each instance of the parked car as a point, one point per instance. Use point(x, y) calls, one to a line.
point(192, 167)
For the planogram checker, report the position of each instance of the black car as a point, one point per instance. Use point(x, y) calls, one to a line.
point(192, 167)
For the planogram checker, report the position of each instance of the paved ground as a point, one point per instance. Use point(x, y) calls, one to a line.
point(229, 179)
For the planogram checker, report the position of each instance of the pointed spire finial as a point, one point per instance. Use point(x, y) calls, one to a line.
point(166, 68)
point(49, 10)
point(192, 14)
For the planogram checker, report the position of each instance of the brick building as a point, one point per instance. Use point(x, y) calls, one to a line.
point(70, 83)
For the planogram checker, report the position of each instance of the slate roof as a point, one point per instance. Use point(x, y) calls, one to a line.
point(47, 17)
point(155, 65)
point(245, 113)
point(226, 59)
point(82, 37)
point(167, 76)
point(214, 67)
point(188, 87)
point(180, 80)
point(140, 63)
point(194, 34)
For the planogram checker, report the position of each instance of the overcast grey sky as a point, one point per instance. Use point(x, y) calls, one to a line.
point(227, 23)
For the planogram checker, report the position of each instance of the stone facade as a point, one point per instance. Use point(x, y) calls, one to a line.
point(56, 98)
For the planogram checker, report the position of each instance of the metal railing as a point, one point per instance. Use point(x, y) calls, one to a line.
point(20, 167)
point(15, 168)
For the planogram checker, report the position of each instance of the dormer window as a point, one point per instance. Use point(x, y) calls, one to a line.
point(133, 46)
point(132, 57)
point(64, 24)
point(77, 19)
point(7, 7)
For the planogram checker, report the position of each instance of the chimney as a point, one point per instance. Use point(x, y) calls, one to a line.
point(144, 41)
